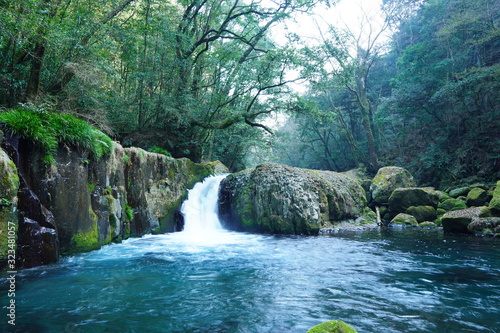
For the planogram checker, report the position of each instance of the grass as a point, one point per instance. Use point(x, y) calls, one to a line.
point(48, 129)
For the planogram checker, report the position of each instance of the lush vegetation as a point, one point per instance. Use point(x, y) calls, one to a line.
point(48, 129)
point(199, 78)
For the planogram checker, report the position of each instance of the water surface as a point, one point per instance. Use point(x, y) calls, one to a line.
point(377, 281)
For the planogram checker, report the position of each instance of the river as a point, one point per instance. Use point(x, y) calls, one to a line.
point(212, 280)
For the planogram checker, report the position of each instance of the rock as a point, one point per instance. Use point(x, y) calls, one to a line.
point(452, 204)
point(37, 245)
point(332, 326)
point(477, 197)
point(80, 203)
point(458, 192)
point(218, 167)
point(442, 196)
point(487, 226)
point(275, 198)
point(495, 201)
point(427, 224)
point(387, 180)
point(422, 213)
point(9, 185)
point(458, 221)
point(403, 198)
point(404, 219)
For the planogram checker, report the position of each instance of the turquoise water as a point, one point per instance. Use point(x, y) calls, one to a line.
point(378, 281)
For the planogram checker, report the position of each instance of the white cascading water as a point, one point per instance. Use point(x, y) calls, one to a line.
point(200, 210)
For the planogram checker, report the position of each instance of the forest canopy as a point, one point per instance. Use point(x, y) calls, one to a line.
point(201, 79)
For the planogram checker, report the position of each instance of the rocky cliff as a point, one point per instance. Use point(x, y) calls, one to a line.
point(275, 198)
point(80, 203)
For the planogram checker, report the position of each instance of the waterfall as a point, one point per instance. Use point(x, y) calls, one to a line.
point(200, 210)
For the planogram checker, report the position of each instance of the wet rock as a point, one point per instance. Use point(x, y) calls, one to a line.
point(276, 198)
point(36, 245)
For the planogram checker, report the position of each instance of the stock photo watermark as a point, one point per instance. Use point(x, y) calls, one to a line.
point(11, 273)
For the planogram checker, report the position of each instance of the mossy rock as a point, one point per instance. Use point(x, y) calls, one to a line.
point(387, 180)
point(404, 219)
point(332, 326)
point(458, 221)
point(477, 197)
point(442, 196)
point(495, 201)
point(452, 204)
point(458, 192)
point(486, 226)
point(427, 224)
point(403, 198)
point(440, 212)
point(422, 213)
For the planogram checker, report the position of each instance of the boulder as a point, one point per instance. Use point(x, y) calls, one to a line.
point(422, 213)
point(487, 226)
point(404, 219)
point(275, 198)
point(332, 326)
point(495, 201)
point(452, 204)
point(9, 185)
point(403, 198)
point(387, 180)
point(458, 221)
point(477, 197)
point(458, 192)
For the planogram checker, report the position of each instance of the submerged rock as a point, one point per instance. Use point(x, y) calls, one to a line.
point(275, 198)
point(332, 326)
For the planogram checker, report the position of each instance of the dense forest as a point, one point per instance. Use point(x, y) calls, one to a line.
point(203, 78)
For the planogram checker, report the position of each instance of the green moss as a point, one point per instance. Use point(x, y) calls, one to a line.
point(126, 159)
point(333, 326)
point(427, 224)
point(91, 187)
point(48, 129)
point(129, 213)
point(88, 240)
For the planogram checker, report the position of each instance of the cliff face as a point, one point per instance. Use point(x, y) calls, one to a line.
point(274, 198)
point(80, 203)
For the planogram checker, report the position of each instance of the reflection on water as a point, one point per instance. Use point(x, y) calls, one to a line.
point(380, 280)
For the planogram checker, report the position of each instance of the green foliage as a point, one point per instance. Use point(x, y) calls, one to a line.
point(48, 129)
point(159, 150)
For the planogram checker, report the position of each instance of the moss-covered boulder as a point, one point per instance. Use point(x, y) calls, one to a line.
point(485, 226)
point(477, 197)
point(404, 219)
point(427, 224)
point(458, 192)
point(458, 221)
point(275, 198)
point(9, 185)
point(332, 326)
point(422, 213)
point(403, 198)
point(452, 204)
point(387, 180)
point(495, 201)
